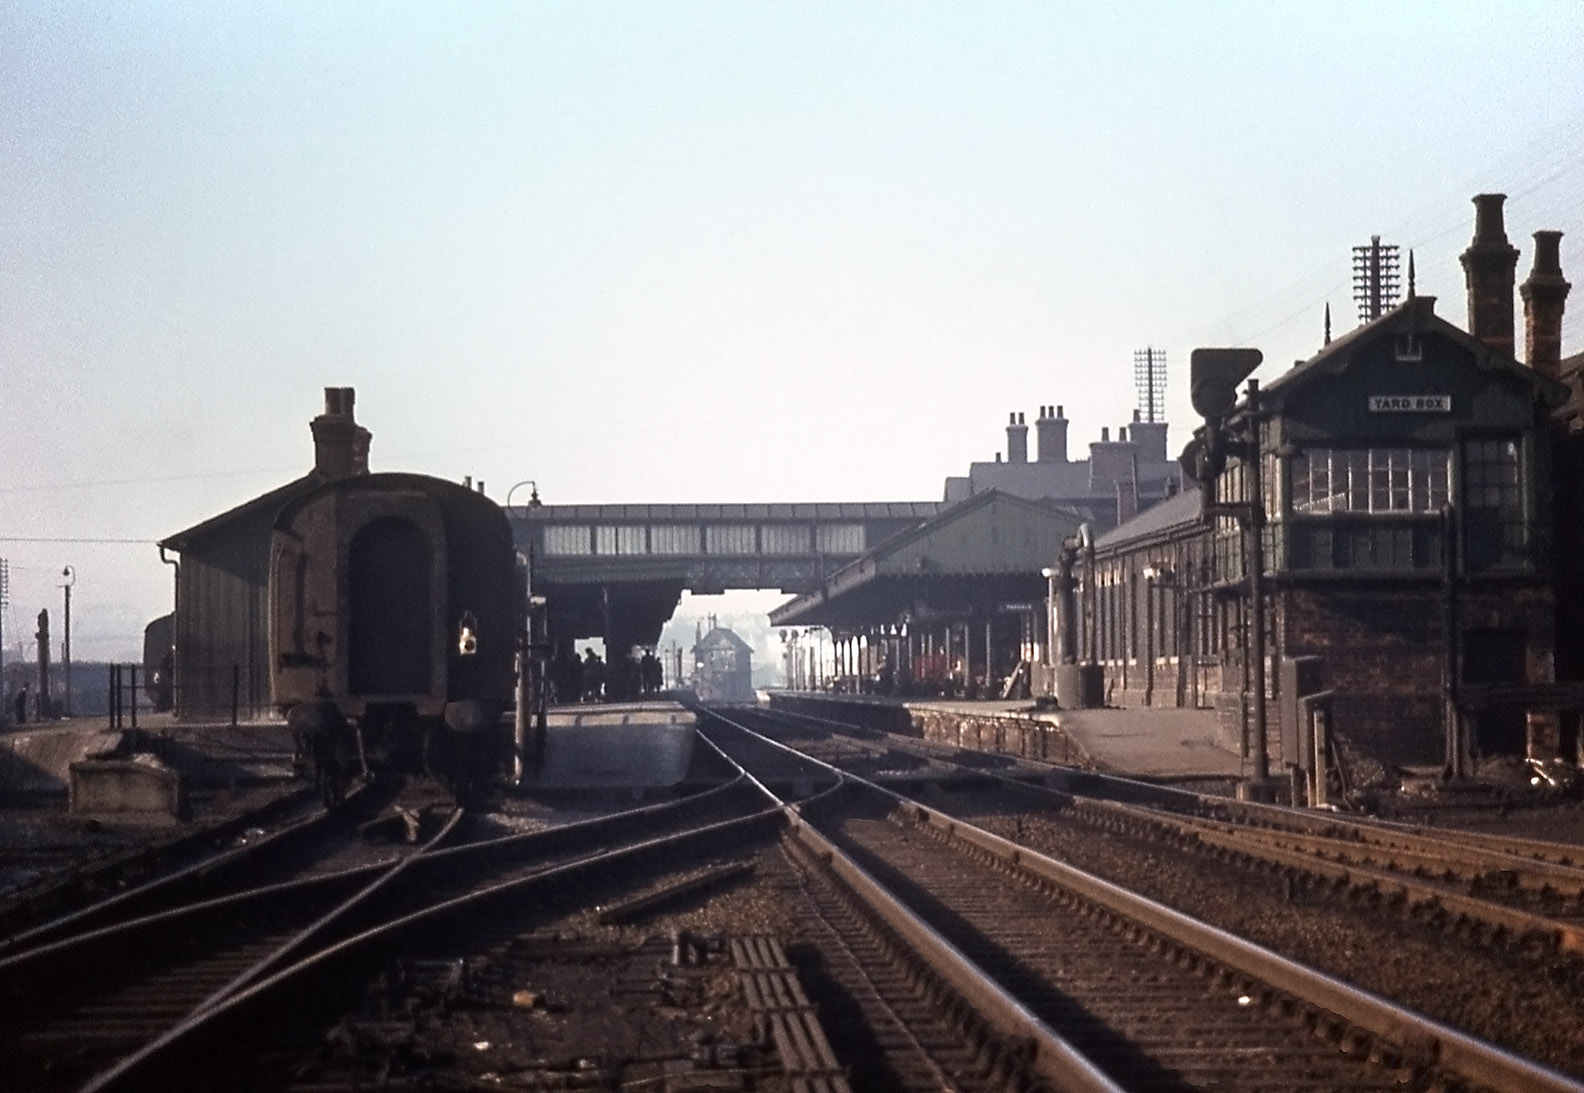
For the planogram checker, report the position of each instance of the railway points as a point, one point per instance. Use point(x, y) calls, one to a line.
point(1214, 841)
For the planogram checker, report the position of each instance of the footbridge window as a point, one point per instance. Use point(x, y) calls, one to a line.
point(619, 539)
point(674, 539)
point(568, 539)
point(730, 539)
point(784, 538)
point(839, 538)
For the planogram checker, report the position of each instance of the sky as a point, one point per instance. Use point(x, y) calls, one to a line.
point(694, 252)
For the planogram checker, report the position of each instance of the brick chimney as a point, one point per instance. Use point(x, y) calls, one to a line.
point(1110, 461)
point(1126, 498)
point(1489, 266)
point(341, 445)
point(1150, 436)
point(1017, 439)
point(1050, 435)
point(1544, 296)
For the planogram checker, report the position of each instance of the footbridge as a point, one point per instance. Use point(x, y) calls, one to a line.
point(618, 571)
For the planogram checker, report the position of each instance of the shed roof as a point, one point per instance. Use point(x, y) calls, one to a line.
point(264, 505)
point(1174, 512)
point(993, 545)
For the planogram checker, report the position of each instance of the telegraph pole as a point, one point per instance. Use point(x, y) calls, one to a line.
point(71, 578)
point(5, 601)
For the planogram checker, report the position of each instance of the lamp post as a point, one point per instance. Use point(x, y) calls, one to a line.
point(1050, 573)
point(71, 578)
point(533, 493)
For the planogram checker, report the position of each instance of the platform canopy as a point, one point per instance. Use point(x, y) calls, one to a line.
point(984, 554)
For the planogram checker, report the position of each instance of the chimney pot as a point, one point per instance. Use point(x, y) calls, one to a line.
point(1017, 440)
point(340, 443)
point(1060, 412)
point(1488, 225)
point(1488, 267)
point(1105, 434)
point(1548, 254)
point(1544, 302)
point(1050, 436)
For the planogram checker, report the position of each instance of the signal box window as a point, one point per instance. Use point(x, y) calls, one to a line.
point(1369, 480)
point(1496, 536)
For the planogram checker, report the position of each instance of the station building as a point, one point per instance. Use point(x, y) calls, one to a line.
point(953, 607)
point(1119, 479)
point(1416, 488)
point(219, 630)
point(723, 667)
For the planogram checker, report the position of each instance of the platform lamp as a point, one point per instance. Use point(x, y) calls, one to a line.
point(1050, 573)
point(533, 493)
point(70, 574)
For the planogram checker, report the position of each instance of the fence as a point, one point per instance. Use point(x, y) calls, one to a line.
point(225, 692)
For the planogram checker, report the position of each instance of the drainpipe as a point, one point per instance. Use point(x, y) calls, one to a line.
point(1451, 715)
point(175, 616)
point(1086, 544)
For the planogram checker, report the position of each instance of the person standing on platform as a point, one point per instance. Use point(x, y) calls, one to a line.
point(593, 675)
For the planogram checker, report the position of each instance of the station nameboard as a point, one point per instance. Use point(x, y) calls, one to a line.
point(1410, 404)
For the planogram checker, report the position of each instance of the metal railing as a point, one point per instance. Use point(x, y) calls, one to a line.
point(224, 692)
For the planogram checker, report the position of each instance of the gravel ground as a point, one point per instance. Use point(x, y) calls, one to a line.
point(560, 1005)
point(1489, 991)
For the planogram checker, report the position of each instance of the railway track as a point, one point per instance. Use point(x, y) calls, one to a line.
point(976, 911)
point(119, 884)
point(1511, 889)
point(906, 949)
point(143, 991)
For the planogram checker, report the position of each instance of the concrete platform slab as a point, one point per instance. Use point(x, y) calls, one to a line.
point(1151, 742)
point(1155, 742)
point(638, 745)
point(37, 761)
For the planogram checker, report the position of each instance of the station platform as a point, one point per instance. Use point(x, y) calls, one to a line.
point(620, 746)
point(36, 758)
point(1149, 742)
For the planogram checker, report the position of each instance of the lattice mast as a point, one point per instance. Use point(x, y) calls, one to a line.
point(1149, 380)
point(1375, 279)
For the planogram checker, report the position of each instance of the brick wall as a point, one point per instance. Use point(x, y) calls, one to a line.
point(1382, 650)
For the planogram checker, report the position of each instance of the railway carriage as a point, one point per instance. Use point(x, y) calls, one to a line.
point(392, 626)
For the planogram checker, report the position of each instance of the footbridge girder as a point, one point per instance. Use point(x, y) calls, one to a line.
point(599, 563)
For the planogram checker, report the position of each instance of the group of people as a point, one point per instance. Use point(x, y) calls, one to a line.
point(590, 679)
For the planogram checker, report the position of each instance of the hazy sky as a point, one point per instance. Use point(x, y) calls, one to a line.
point(672, 252)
